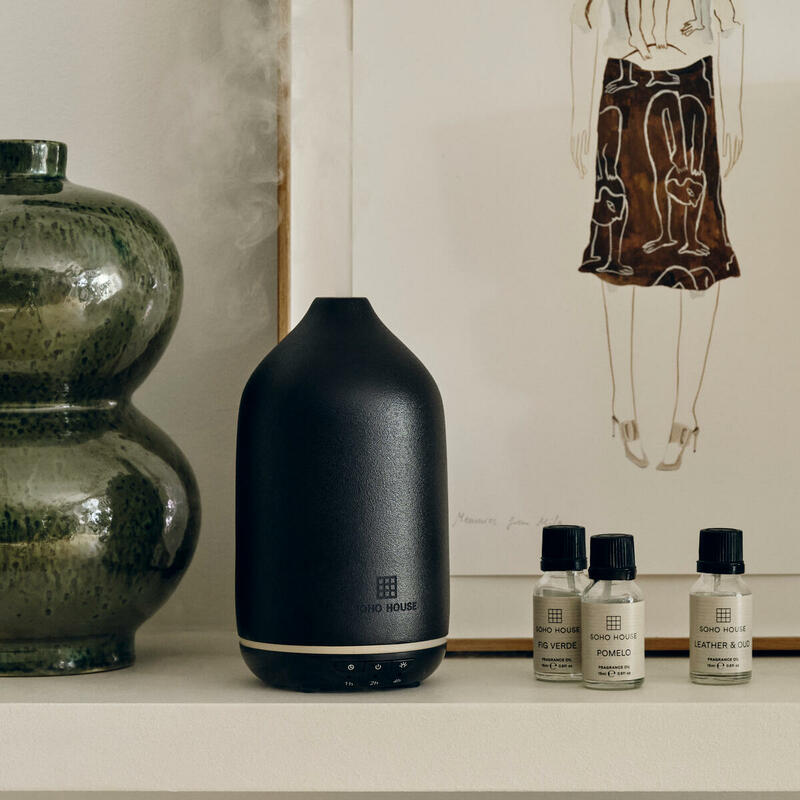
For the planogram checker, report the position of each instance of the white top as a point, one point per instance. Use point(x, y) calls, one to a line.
point(657, 34)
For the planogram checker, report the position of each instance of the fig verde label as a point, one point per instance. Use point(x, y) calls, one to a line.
point(557, 635)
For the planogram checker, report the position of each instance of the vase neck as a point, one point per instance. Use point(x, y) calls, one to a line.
point(32, 158)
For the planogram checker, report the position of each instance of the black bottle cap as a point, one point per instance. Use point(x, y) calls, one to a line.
point(721, 551)
point(563, 548)
point(612, 557)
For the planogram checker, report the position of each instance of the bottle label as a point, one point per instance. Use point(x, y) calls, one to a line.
point(613, 641)
point(721, 639)
point(557, 635)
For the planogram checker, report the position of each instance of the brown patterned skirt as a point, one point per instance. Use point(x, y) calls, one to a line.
point(658, 218)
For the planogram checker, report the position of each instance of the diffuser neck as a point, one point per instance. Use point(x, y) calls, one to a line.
point(341, 311)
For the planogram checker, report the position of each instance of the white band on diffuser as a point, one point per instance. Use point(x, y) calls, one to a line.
point(361, 649)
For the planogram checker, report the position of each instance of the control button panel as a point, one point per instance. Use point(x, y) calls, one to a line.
point(373, 674)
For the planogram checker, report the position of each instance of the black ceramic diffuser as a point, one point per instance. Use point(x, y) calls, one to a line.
point(342, 574)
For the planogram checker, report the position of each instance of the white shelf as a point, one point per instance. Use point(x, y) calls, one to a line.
point(190, 717)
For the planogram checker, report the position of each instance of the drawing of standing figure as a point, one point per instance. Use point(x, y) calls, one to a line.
point(658, 217)
point(610, 211)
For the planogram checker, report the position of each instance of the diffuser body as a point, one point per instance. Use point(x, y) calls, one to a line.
point(342, 573)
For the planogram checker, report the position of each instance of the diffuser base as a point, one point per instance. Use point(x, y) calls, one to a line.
point(34, 657)
point(305, 672)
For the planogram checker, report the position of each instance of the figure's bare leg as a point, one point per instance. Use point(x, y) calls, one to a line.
point(616, 232)
point(696, 125)
point(593, 257)
point(605, 246)
point(697, 314)
point(633, 13)
point(600, 249)
point(617, 236)
point(664, 208)
point(624, 81)
point(691, 221)
point(696, 23)
point(619, 304)
point(660, 13)
point(665, 78)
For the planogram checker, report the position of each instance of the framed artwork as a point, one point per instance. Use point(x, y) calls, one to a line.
point(556, 207)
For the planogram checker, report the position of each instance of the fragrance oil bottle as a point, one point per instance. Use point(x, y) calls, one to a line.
point(612, 611)
point(557, 604)
point(720, 611)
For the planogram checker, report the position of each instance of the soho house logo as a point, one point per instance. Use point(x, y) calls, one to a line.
point(386, 587)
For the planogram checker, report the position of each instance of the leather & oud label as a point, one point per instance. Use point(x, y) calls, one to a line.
point(721, 639)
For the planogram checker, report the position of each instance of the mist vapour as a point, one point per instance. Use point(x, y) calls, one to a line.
point(222, 157)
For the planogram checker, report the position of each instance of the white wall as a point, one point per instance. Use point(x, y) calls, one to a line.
point(151, 99)
point(154, 103)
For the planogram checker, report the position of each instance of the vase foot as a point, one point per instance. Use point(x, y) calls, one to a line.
point(37, 657)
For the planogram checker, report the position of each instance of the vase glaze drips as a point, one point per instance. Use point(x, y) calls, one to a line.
point(99, 510)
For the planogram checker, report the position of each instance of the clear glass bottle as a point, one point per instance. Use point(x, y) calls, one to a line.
point(613, 616)
point(557, 604)
point(720, 612)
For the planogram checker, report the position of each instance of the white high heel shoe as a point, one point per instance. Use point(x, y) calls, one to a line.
point(680, 435)
point(629, 432)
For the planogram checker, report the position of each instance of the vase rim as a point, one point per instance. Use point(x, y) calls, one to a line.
point(40, 158)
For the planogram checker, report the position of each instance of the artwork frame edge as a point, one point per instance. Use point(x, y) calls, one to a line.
point(295, 291)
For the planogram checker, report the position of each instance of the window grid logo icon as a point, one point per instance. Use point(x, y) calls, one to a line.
point(723, 615)
point(614, 623)
point(555, 615)
point(386, 587)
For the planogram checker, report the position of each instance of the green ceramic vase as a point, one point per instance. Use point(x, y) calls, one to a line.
point(99, 510)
